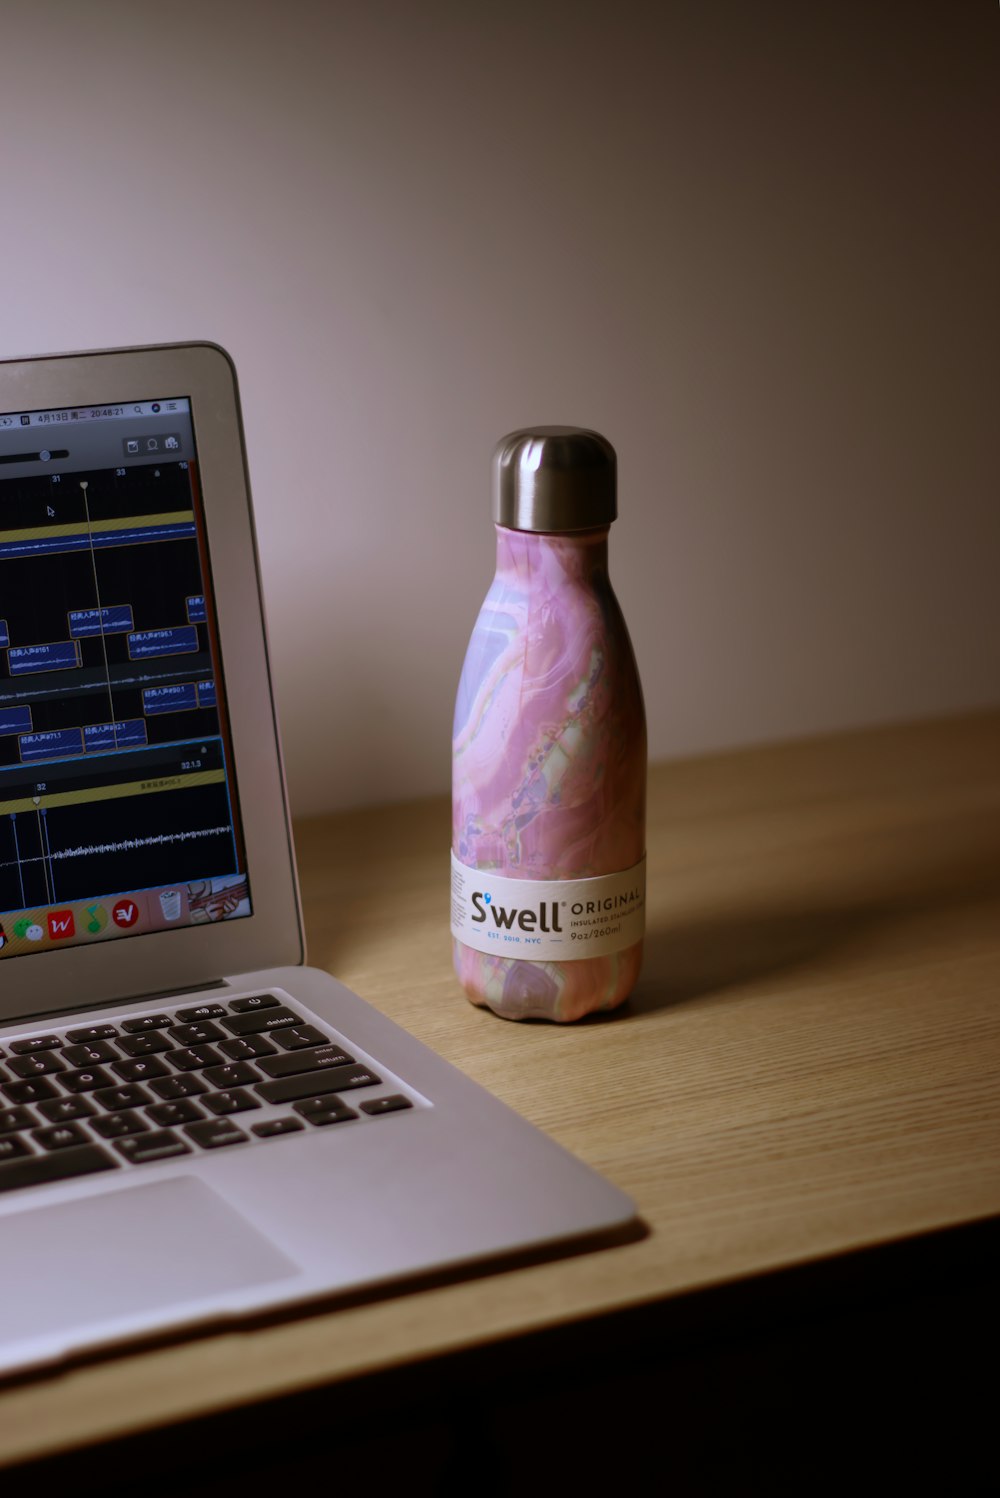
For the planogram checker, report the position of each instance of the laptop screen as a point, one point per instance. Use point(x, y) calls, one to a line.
point(118, 803)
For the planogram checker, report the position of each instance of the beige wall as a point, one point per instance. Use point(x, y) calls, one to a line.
point(754, 244)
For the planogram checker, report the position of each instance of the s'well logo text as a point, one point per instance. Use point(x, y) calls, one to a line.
point(504, 916)
point(547, 920)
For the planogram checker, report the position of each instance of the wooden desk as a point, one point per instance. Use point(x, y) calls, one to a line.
point(808, 1067)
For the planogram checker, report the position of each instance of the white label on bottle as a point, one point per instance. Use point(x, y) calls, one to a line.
point(547, 920)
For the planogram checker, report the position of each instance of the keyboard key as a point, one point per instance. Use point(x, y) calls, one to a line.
point(89, 1053)
point(36, 1043)
point(235, 1074)
point(117, 1125)
point(171, 1088)
point(63, 1109)
point(321, 1111)
point(197, 1034)
point(58, 1165)
point(377, 1105)
point(236, 1100)
point(168, 1082)
point(41, 1064)
point(316, 1084)
point(260, 1021)
point(61, 1136)
point(146, 1044)
point(141, 1069)
point(126, 1095)
point(248, 1047)
point(203, 1011)
point(32, 1091)
point(160, 1144)
point(92, 1032)
point(84, 1081)
point(194, 1057)
point(298, 1036)
point(175, 1113)
point(216, 1133)
point(317, 1059)
point(12, 1146)
point(274, 1126)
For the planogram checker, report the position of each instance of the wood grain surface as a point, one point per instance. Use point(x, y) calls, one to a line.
point(808, 1065)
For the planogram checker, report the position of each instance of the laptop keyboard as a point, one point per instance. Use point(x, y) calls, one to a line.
point(157, 1086)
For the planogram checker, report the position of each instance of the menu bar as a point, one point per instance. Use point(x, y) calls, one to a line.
point(133, 410)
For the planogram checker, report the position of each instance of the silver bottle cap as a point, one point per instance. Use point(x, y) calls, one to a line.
point(554, 479)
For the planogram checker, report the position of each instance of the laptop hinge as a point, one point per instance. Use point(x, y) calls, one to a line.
point(169, 993)
point(132, 998)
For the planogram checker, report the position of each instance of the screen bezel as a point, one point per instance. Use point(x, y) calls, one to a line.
point(272, 936)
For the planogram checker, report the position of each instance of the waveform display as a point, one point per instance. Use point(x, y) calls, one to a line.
point(124, 845)
point(91, 540)
point(113, 619)
point(15, 720)
point(181, 697)
point(29, 660)
point(95, 683)
point(51, 744)
point(132, 844)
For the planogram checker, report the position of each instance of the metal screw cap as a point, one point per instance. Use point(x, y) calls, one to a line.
point(554, 479)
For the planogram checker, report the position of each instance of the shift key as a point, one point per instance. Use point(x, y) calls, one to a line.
point(317, 1083)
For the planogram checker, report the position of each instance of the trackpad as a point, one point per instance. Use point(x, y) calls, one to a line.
point(125, 1252)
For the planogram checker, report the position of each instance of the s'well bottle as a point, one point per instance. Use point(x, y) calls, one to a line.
point(549, 748)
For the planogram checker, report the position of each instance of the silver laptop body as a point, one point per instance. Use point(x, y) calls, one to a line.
point(193, 1124)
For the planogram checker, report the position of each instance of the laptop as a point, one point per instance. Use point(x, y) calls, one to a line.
point(194, 1124)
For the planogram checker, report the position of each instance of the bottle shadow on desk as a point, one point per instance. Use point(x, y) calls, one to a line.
point(697, 959)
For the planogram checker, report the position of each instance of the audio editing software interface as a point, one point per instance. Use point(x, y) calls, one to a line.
point(118, 811)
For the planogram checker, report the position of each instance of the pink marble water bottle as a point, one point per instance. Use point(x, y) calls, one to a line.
point(549, 748)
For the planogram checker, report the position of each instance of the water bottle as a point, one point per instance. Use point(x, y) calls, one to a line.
point(549, 748)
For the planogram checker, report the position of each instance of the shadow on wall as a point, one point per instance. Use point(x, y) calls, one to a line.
point(363, 735)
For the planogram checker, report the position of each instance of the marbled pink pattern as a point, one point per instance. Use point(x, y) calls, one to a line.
point(549, 757)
